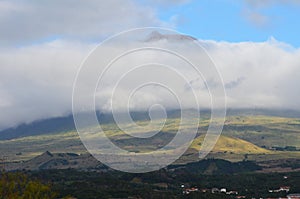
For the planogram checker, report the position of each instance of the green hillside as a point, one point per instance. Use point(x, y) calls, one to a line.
point(231, 145)
point(252, 135)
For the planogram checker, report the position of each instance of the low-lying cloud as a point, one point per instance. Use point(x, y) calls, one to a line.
point(36, 81)
point(44, 43)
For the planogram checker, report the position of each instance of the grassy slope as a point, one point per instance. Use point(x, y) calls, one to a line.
point(242, 135)
point(264, 130)
point(231, 145)
point(31, 146)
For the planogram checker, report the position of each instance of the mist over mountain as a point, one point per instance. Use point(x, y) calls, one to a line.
point(64, 124)
point(44, 74)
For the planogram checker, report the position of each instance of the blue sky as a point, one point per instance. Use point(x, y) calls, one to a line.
point(236, 21)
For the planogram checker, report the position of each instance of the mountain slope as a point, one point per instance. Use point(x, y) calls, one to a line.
point(39, 127)
point(231, 145)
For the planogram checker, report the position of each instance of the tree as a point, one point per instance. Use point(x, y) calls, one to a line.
point(19, 186)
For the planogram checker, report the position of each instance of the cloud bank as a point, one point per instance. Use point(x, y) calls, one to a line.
point(36, 81)
point(44, 43)
point(91, 20)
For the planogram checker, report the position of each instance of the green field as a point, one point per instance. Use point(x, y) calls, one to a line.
point(253, 136)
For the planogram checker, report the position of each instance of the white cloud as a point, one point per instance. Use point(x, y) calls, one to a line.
point(23, 22)
point(36, 81)
point(269, 71)
point(257, 19)
point(253, 11)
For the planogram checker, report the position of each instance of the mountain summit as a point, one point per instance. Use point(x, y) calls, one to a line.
point(156, 36)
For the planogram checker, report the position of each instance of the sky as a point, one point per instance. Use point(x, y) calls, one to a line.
point(237, 21)
point(221, 20)
point(254, 44)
